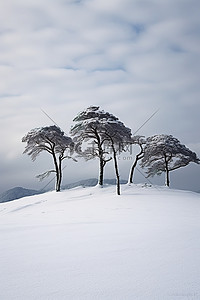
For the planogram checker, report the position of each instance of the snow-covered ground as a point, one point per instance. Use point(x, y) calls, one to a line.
point(89, 243)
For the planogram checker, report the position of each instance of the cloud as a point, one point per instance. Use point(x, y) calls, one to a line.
point(129, 57)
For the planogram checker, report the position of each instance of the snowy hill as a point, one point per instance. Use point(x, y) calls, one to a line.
point(88, 243)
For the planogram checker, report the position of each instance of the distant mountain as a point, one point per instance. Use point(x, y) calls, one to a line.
point(20, 192)
point(16, 193)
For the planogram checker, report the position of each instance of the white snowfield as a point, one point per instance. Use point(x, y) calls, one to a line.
point(89, 243)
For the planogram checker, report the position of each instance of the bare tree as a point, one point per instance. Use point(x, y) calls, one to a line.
point(140, 141)
point(164, 153)
point(52, 140)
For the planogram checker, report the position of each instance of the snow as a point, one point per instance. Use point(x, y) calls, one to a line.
point(89, 243)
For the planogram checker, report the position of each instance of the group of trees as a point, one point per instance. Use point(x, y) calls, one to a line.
point(99, 134)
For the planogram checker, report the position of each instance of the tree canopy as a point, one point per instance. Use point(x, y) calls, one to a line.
point(100, 134)
point(52, 140)
point(165, 153)
point(106, 132)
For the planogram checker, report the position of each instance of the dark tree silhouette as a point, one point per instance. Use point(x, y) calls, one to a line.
point(165, 153)
point(140, 141)
point(52, 140)
point(105, 133)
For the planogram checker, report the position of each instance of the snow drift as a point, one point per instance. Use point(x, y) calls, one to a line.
point(88, 243)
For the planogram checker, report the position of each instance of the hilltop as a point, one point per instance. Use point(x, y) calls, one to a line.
point(20, 192)
point(88, 243)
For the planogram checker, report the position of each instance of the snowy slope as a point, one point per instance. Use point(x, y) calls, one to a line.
point(20, 192)
point(88, 243)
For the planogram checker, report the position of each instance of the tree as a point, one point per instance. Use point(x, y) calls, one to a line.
point(140, 141)
point(52, 140)
point(118, 136)
point(88, 128)
point(105, 132)
point(165, 153)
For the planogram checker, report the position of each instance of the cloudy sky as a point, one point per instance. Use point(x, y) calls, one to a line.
point(130, 57)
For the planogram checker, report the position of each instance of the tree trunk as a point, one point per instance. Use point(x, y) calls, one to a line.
point(101, 160)
point(167, 177)
point(59, 179)
point(101, 169)
point(138, 157)
point(57, 185)
point(132, 170)
point(167, 171)
point(116, 170)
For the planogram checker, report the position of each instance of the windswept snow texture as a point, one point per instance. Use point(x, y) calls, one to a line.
point(88, 243)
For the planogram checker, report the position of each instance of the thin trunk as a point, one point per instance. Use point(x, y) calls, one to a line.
point(167, 177)
point(167, 172)
point(138, 157)
point(59, 174)
point(116, 170)
point(101, 160)
point(132, 170)
point(57, 171)
point(101, 169)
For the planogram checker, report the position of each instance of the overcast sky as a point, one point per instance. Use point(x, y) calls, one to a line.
point(130, 57)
